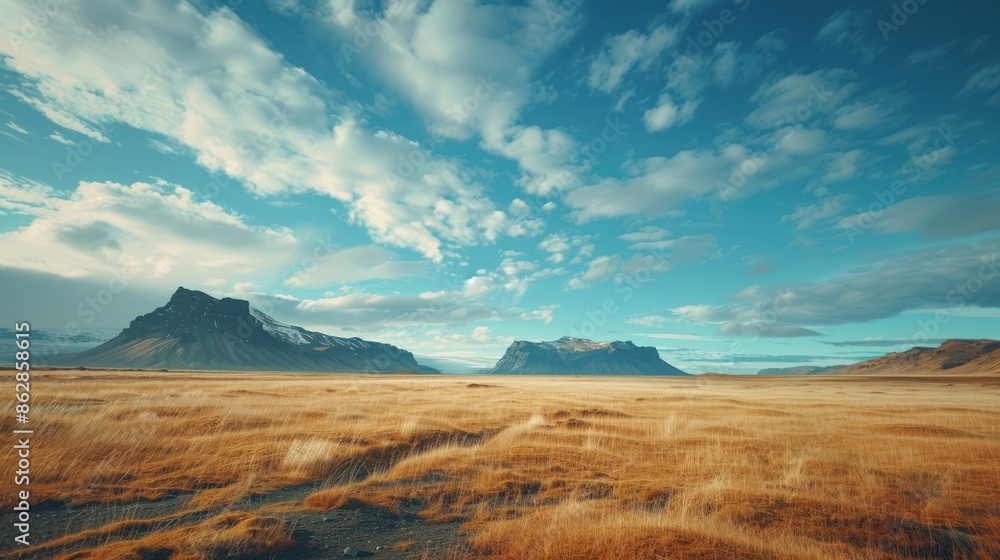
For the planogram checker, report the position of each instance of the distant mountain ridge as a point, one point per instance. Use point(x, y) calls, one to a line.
point(798, 370)
point(197, 331)
point(952, 357)
point(570, 355)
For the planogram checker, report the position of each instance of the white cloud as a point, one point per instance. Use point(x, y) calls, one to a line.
point(934, 217)
point(601, 268)
point(19, 195)
point(878, 109)
point(939, 277)
point(673, 336)
point(850, 31)
point(468, 68)
point(786, 146)
point(17, 128)
point(561, 245)
point(543, 314)
point(645, 233)
point(796, 98)
point(690, 5)
point(327, 265)
point(688, 78)
point(729, 64)
point(61, 139)
point(286, 7)
point(658, 186)
point(210, 83)
point(516, 276)
point(480, 334)
point(689, 247)
point(986, 80)
point(647, 321)
point(479, 337)
point(650, 256)
point(156, 233)
point(826, 210)
point(668, 114)
point(927, 58)
point(367, 311)
point(843, 167)
point(622, 53)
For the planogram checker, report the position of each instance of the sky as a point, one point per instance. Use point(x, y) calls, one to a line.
point(740, 184)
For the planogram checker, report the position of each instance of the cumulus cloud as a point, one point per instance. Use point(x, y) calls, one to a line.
point(667, 114)
point(796, 97)
point(211, 84)
point(468, 68)
point(650, 256)
point(560, 246)
point(934, 278)
point(788, 141)
point(628, 51)
point(659, 186)
point(156, 232)
point(641, 52)
point(688, 77)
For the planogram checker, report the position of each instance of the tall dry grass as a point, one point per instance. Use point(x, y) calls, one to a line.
point(651, 468)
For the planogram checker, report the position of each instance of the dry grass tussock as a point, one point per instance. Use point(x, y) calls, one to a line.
point(796, 468)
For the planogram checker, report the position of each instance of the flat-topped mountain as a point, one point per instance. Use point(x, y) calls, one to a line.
point(197, 331)
point(957, 356)
point(570, 355)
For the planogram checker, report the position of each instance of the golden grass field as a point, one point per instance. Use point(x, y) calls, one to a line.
point(527, 467)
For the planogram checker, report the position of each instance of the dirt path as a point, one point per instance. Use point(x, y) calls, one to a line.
point(317, 533)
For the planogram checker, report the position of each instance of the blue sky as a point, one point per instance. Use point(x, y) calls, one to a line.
point(740, 184)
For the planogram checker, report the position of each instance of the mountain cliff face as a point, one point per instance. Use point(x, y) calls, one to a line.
point(197, 331)
point(958, 357)
point(580, 356)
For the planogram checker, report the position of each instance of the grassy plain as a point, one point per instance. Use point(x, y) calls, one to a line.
point(524, 467)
